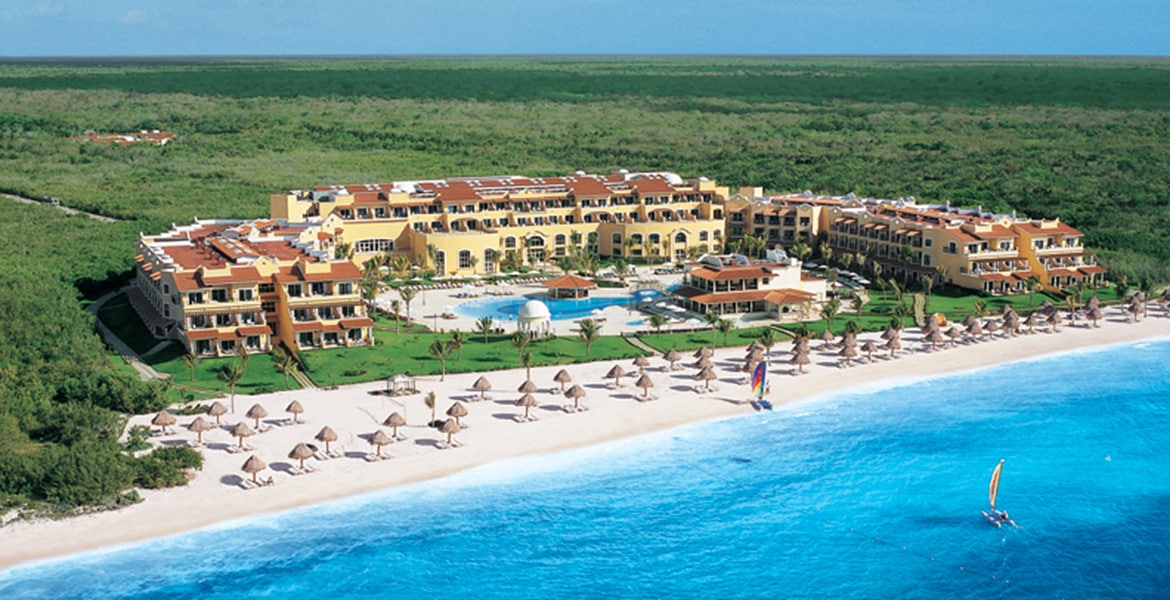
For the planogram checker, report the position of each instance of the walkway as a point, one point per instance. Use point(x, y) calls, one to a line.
point(145, 371)
point(64, 209)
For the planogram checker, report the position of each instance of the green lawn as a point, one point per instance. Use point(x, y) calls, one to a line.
point(119, 316)
point(259, 377)
point(664, 342)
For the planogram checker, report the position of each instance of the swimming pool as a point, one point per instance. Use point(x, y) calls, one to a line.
point(506, 308)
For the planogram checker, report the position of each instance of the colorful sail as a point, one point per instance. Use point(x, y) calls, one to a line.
point(993, 490)
point(758, 379)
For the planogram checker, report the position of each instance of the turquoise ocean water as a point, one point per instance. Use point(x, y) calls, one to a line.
point(866, 494)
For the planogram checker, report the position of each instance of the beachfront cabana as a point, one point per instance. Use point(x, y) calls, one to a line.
point(199, 425)
point(394, 421)
point(569, 286)
point(399, 384)
point(576, 393)
point(217, 410)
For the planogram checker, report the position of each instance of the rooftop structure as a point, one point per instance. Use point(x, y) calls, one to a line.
point(735, 284)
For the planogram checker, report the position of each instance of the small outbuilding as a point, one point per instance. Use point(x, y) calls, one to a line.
point(569, 286)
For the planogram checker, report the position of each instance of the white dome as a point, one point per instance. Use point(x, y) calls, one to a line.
point(534, 310)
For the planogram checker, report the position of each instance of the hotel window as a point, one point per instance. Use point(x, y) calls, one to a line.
point(294, 290)
point(654, 238)
point(951, 248)
point(198, 322)
point(301, 314)
point(244, 295)
point(166, 288)
point(319, 289)
point(326, 312)
point(223, 320)
point(703, 235)
point(348, 311)
point(616, 239)
point(252, 342)
point(267, 288)
point(268, 306)
point(380, 212)
point(559, 240)
point(535, 242)
point(509, 242)
point(354, 335)
point(928, 242)
point(465, 259)
point(345, 288)
point(248, 318)
point(194, 297)
point(305, 339)
point(227, 346)
point(219, 295)
point(636, 238)
point(374, 245)
point(363, 213)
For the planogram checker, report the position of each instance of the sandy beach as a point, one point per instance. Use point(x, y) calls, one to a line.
point(494, 431)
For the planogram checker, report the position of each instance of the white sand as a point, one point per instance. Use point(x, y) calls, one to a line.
point(354, 413)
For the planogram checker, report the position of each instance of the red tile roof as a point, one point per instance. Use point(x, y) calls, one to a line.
point(730, 273)
point(571, 282)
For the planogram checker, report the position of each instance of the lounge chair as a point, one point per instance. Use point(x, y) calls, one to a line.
point(248, 484)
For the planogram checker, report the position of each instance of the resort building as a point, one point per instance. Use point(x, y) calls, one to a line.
point(216, 286)
point(473, 225)
point(781, 220)
point(973, 249)
point(733, 284)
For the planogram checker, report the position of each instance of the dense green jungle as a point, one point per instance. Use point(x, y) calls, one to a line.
point(1082, 139)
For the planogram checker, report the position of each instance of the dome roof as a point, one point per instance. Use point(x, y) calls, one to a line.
point(534, 310)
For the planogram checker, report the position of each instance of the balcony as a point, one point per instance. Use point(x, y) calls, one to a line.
point(1055, 250)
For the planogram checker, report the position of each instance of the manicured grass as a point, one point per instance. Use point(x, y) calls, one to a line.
point(259, 377)
point(696, 339)
point(119, 316)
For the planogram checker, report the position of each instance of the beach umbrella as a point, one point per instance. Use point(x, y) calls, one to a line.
point(1011, 322)
point(199, 425)
point(483, 385)
point(893, 345)
point(527, 401)
point(848, 339)
point(616, 373)
point(992, 327)
point(800, 345)
point(1134, 309)
point(970, 320)
point(756, 354)
point(379, 439)
point(975, 329)
point(326, 435)
point(296, 409)
point(672, 357)
point(257, 412)
point(1055, 320)
point(848, 353)
point(931, 324)
point(934, 338)
point(1033, 321)
point(827, 337)
point(528, 387)
point(254, 465)
point(707, 374)
point(450, 427)
point(217, 410)
point(703, 363)
point(800, 360)
point(954, 333)
point(749, 365)
point(562, 377)
point(641, 362)
point(458, 411)
point(241, 430)
point(1008, 310)
point(394, 421)
point(755, 345)
point(1095, 314)
point(1046, 308)
point(163, 419)
point(300, 452)
point(890, 333)
point(645, 383)
point(869, 347)
point(1095, 302)
point(576, 393)
point(702, 352)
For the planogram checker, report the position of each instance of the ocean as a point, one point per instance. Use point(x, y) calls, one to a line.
point(871, 493)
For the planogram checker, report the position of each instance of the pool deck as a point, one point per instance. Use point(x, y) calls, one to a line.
point(430, 305)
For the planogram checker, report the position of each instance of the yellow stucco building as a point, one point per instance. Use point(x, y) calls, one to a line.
point(465, 226)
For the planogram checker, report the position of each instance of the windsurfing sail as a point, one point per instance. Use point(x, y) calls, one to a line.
point(758, 379)
point(993, 489)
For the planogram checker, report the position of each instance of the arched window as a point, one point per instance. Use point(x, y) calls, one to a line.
point(535, 242)
point(559, 240)
point(510, 242)
point(616, 239)
point(680, 237)
point(440, 262)
point(465, 259)
point(636, 238)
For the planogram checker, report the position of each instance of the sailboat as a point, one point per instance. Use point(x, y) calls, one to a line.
point(994, 515)
point(759, 386)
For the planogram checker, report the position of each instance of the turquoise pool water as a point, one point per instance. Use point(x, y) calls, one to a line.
point(507, 307)
point(873, 493)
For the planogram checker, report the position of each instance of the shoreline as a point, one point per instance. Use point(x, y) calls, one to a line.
point(213, 496)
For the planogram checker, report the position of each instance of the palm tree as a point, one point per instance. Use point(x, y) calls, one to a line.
point(826, 252)
point(369, 288)
point(877, 276)
point(712, 318)
point(801, 249)
point(1032, 285)
point(852, 326)
point(230, 374)
point(284, 363)
point(656, 321)
point(526, 362)
point(521, 339)
point(243, 355)
point(191, 360)
point(829, 311)
point(484, 326)
point(980, 308)
point(474, 262)
point(590, 331)
point(399, 265)
point(440, 350)
point(395, 305)
point(857, 304)
point(768, 338)
point(429, 400)
point(622, 267)
point(432, 252)
point(725, 326)
point(407, 297)
point(457, 339)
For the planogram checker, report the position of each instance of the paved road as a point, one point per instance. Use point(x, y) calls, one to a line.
point(65, 209)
